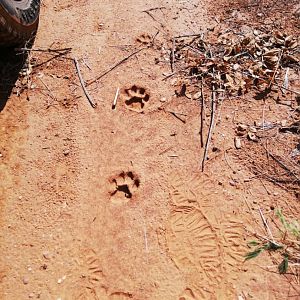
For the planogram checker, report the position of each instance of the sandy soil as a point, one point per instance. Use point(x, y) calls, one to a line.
point(111, 204)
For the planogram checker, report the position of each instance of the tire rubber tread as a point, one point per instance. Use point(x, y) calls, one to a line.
point(13, 33)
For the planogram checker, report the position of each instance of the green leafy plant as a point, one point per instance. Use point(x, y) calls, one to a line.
point(270, 246)
point(288, 245)
point(292, 227)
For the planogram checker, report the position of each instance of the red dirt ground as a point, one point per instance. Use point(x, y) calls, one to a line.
point(70, 229)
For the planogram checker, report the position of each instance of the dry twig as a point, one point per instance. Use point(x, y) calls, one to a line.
point(93, 104)
point(202, 116)
point(154, 8)
point(173, 56)
point(211, 126)
point(266, 225)
point(116, 99)
point(116, 65)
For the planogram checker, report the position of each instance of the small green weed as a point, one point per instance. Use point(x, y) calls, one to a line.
point(288, 244)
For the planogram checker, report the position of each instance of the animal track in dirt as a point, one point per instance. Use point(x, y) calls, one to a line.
point(123, 187)
point(136, 98)
point(203, 243)
point(144, 39)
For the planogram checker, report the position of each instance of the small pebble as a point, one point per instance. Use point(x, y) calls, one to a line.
point(25, 280)
point(283, 123)
point(66, 152)
point(232, 183)
point(252, 136)
point(31, 295)
point(60, 280)
point(237, 143)
point(236, 67)
point(242, 127)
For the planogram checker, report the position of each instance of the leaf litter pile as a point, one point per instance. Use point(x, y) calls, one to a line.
point(262, 65)
point(258, 66)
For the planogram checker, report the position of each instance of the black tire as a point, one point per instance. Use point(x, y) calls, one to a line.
point(18, 21)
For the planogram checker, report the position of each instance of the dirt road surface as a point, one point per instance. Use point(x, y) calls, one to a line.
point(112, 204)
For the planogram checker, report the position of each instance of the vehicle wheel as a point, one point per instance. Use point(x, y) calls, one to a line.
point(18, 21)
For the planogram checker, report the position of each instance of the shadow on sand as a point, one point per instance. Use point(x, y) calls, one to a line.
point(11, 63)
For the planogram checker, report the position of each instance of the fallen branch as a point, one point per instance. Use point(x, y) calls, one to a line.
point(56, 55)
point(202, 116)
point(48, 89)
point(116, 65)
point(48, 50)
point(93, 104)
point(155, 8)
point(173, 56)
point(283, 165)
point(176, 115)
point(211, 126)
point(148, 12)
point(188, 35)
point(266, 225)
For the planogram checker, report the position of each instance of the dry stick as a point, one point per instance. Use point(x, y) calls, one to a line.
point(116, 65)
point(289, 90)
point(283, 165)
point(173, 55)
point(55, 56)
point(168, 76)
point(116, 98)
point(154, 8)
point(211, 126)
point(202, 116)
point(263, 116)
point(153, 18)
point(175, 114)
point(266, 225)
point(188, 35)
point(261, 181)
point(48, 89)
point(93, 104)
point(49, 50)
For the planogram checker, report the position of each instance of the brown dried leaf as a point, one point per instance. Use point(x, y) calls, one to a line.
point(291, 58)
